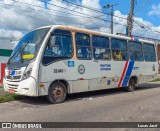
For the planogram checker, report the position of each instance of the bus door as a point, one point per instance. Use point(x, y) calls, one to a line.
point(120, 56)
point(58, 50)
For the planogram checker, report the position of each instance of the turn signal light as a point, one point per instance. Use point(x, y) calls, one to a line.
point(41, 85)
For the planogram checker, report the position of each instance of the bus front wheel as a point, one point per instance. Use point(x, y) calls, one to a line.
point(57, 93)
point(131, 86)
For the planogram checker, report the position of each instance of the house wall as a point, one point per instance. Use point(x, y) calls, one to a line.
point(6, 48)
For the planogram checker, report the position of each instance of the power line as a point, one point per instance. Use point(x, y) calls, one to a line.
point(82, 7)
point(93, 21)
point(143, 26)
point(79, 5)
point(54, 14)
point(62, 16)
point(4, 6)
point(145, 3)
point(87, 8)
point(62, 12)
point(86, 15)
point(42, 10)
point(90, 8)
point(45, 9)
point(91, 17)
point(72, 10)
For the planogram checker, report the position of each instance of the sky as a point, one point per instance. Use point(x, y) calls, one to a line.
point(18, 17)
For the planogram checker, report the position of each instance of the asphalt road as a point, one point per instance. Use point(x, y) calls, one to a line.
point(111, 105)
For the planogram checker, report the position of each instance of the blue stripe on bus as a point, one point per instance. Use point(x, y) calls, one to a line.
point(128, 73)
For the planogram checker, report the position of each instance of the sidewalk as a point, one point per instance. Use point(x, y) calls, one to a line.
point(155, 82)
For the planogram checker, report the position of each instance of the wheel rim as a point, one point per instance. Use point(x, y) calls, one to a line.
point(58, 93)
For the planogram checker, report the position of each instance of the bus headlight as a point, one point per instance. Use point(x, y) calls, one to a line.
point(27, 74)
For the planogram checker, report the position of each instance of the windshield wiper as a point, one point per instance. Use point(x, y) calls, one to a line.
point(13, 55)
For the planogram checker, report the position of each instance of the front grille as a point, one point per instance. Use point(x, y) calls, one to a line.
point(12, 86)
point(13, 77)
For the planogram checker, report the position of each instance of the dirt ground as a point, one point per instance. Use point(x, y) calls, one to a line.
point(110, 105)
point(2, 92)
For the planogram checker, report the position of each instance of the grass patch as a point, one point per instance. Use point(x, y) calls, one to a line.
point(155, 80)
point(9, 97)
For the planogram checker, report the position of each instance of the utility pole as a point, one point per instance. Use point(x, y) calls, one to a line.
point(111, 7)
point(130, 20)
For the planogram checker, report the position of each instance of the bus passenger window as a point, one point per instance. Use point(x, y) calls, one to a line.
point(149, 52)
point(135, 50)
point(83, 52)
point(119, 49)
point(101, 49)
point(83, 48)
point(59, 47)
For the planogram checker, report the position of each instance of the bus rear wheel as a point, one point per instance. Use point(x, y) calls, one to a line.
point(57, 93)
point(131, 86)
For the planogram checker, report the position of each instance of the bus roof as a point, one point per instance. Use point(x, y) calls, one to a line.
point(76, 29)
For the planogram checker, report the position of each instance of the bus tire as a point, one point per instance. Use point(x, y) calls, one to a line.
point(131, 86)
point(57, 93)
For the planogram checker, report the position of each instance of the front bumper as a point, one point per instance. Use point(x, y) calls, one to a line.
point(27, 87)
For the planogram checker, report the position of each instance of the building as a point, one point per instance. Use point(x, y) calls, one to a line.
point(6, 47)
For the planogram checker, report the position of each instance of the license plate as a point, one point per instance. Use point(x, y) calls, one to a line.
point(11, 91)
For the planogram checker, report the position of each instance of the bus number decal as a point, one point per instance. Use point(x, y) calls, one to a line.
point(59, 70)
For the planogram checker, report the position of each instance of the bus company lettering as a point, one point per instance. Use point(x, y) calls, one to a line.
point(105, 67)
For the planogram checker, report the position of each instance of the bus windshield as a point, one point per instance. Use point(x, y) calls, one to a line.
point(28, 47)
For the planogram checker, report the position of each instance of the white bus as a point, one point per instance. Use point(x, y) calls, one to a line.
point(54, 61)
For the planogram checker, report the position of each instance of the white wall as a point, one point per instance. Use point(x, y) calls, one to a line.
point(5, 44)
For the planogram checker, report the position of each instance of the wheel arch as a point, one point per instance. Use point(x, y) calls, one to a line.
point(135, 78)
point(65, 82)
